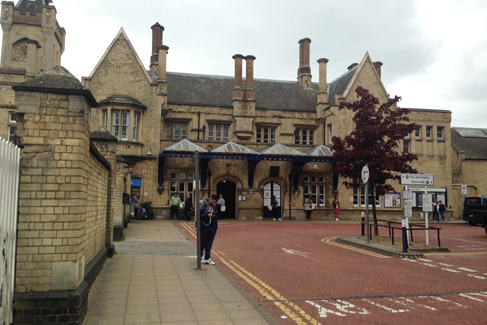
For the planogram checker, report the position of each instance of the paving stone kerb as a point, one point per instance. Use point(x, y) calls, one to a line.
point(357, 241)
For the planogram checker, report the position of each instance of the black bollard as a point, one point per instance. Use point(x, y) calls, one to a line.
point(404, 237)
point(363, 226)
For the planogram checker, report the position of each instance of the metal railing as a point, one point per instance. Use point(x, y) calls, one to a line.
point(9, 195)
point(412, 227)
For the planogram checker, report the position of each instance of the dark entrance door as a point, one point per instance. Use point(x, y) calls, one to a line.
point(272, 189)
point(228, 190)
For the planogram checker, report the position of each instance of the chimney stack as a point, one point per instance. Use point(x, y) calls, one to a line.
point(238, 91)
point(351, 66)
point(249, 78)
point(323, 87)
point(161, 61)
point(157, 31)
point(378, 68)
point(304, 71)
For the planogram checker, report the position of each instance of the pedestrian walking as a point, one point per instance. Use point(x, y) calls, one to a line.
point(336, 207)
point(274, 211)
point(175, 204)
point(436, 217)
point(308, 206)
point(221, 206)
point(209, 227)
point(188, 206)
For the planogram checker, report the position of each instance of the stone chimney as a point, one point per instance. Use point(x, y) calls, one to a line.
point(32, 68)
point(351, 66)
point(304, 71)
point(378, 68)
point(323, 87)
point(157, 31)
point(238, 91)
point(249, 78)
point(161, 61)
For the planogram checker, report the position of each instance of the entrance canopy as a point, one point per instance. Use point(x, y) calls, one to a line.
point(232, 150)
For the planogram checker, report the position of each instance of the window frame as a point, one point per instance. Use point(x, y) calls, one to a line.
point(440, 135)
point(181, 182)
point(429, 132)
point(181, 126)
point(316, 186)
point(266, 131)
point(219, 128)
point(12, 126)
point(306, 136)
point(417, 132)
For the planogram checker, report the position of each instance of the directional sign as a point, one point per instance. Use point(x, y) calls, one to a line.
point(365, 174)
point(464, 189)
point(417, 179)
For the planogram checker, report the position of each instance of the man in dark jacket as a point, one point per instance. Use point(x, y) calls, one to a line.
point(209, 227)
point(188, 205)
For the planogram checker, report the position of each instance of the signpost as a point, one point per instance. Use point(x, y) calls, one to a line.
point(365, 179)
point(419, 179)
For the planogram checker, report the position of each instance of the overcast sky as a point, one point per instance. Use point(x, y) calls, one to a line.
point(434, 51)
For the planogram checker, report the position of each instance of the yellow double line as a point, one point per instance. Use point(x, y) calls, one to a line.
point(294, 312)
point(331, 241)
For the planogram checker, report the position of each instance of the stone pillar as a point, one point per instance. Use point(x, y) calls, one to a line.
point(162, 50)
point(32, 68)
point(304, 71)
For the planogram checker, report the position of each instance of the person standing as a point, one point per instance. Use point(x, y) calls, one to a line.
point(188, 206)
point(436, 217)
point(442, 210)
point(175, 203)
point(221, 206)
point(209, 227)
point(308, 206)
point(336, 207)
point(274, 211)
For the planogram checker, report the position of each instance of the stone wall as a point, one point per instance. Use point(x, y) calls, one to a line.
point(63, 206)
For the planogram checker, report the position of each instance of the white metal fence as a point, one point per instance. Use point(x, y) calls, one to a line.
point(9, 195)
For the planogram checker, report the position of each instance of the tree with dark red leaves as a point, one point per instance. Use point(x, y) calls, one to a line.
point(375, 141)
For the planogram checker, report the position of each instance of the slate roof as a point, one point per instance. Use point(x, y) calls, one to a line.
point(32, 6)
point(471, 141)
point(340, 84)
point(204, 90)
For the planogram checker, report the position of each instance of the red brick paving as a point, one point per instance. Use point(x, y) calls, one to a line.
point(323, 280)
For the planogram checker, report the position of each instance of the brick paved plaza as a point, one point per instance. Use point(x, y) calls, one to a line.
point(299, 274)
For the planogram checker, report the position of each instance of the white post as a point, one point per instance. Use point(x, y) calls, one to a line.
point(427, 222)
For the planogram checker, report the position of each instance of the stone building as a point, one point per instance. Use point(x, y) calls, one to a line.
point(469, 165)
point(258, 138)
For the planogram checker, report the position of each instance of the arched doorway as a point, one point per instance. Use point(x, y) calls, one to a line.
point(228, 190)
point(272, 189)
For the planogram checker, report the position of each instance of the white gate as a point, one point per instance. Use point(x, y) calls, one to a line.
point(9, 189)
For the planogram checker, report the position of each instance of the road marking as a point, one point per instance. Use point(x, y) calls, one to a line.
point(352, 248)
point(265, 290)
point(465, 269)
point(291, 251)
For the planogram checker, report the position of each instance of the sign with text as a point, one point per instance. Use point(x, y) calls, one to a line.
point(417, 179)
point(427, 202)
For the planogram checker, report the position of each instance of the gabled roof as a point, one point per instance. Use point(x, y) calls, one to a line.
point(471, 141)
point(205, 90)
point(320, 151)
point(281, 150)
point(121, 35)
point(185, 146)
point(235, 148)
point(343, 85)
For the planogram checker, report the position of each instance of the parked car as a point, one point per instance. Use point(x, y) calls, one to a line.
point(475, 209)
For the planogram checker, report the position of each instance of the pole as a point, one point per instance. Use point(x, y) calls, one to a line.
point(290, 185)
point(427, 221)
point(367, 209)
point(197, 208)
